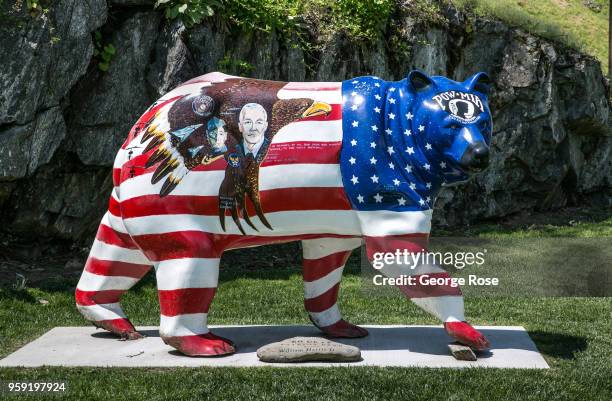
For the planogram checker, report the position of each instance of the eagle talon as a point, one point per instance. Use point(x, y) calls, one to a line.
point(245, 213)
point(236, 219)
point(254, 197)
point(262, 217)
point(222, 217)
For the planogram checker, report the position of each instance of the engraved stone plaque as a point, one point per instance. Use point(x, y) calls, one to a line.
point(308, 349)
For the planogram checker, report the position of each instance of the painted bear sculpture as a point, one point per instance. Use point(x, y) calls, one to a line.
point(224, 162)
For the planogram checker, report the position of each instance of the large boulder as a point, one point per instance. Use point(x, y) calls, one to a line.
point(62, 119)
point(48, 52)
point(106, 104)
point(551, 143)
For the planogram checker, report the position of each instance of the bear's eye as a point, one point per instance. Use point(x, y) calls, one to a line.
point(454, 126)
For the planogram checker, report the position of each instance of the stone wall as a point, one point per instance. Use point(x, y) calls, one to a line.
point(62, 119)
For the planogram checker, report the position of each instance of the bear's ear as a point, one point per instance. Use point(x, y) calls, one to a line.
point(480, 82)
point(419, 80)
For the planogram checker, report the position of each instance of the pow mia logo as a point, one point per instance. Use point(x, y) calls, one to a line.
point(462, 106)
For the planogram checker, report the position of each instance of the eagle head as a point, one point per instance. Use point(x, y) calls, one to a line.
point(286, 111)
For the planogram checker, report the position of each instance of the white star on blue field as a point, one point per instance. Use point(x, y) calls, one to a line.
point(386, 162)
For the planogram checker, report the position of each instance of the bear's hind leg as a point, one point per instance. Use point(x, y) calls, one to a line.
point(114, 265)
point(324, 261)
point(186, 288)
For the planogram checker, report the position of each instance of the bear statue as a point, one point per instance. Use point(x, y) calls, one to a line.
point(224, 162)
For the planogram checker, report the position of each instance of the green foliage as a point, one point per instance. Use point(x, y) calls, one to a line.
point(361, 19)
point(570, 22)
point(233, 66)
point(262, 15)
point(33, 6)
point(37, 7)
point(567, 21)
point(427, 11)
point(104, 53)
point(15, 12)
point(191, 12)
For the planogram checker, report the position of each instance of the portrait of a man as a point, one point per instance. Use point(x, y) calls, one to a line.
point(216, 135)
point(253, 123)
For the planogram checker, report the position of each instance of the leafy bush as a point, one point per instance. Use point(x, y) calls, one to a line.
point(362, 19)
point(359, 18)
point(191, 12)
point(263, 15)
point(234, 66)
point(103, 52)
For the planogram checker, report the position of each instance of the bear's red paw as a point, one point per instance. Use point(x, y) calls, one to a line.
point(121, 327)
point(344, 329)
point(207, 344)
point(467, 335)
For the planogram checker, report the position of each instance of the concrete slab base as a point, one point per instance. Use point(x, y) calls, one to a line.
point(402, 346)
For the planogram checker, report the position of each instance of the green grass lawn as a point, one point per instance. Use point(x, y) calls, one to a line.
point(574, 335)
point(567, 21)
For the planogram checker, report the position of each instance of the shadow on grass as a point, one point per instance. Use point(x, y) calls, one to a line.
point(580, 269)
point(239, 266)
point(18, 295)
point(557, 345)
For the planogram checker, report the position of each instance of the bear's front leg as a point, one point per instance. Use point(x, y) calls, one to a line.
point(186, 288)
point(324, 261)
point(443, 301)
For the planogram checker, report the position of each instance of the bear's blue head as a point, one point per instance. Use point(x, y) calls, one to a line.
point(454, 119)
point(402, 140)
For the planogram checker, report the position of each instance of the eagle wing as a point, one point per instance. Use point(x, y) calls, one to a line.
point(178, 135)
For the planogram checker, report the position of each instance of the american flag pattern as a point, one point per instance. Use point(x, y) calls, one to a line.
point(386, 163)
point(304, 193)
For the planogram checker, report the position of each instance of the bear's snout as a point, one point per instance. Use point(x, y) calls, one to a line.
point(476, 157)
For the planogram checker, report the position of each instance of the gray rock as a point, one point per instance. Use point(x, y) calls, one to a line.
point(173, 62)
point(48, 55)
point(26, 147)
point(308, 349)
point(293, 64)
point(462, 352)
point(64, 199)
point(431, 54)
point(62, 120)
point(207, 46)
point(108, 104)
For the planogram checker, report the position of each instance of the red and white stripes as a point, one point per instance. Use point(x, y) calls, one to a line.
point(324, 261)
point(186, 287)
point(443, 301)
point(114, 265)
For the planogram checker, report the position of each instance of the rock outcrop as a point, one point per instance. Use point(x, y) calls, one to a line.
point(62, 119)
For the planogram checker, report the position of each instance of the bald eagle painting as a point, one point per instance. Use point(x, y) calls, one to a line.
point(234, 120)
